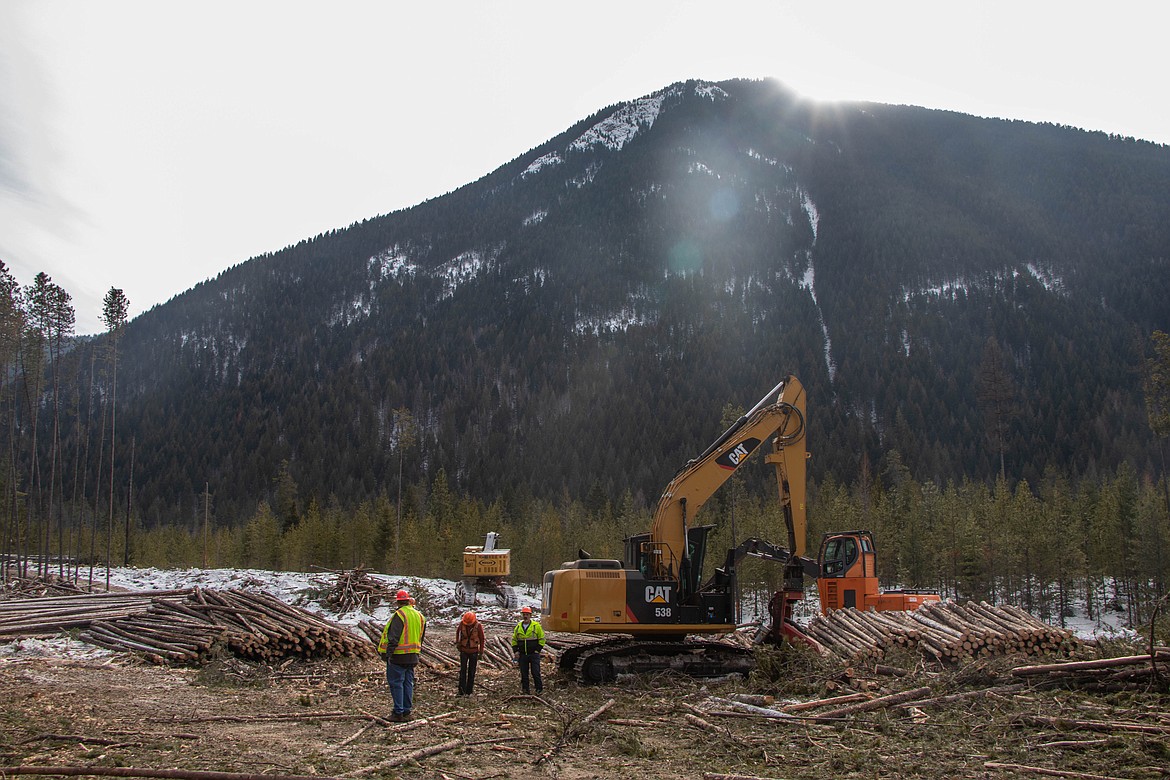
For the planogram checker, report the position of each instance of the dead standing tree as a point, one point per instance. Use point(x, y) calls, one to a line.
point(115, 307)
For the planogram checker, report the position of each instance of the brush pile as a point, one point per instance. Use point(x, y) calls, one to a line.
point(948, 632)
point(356, 590)
point(38, 586)
point(255, 626)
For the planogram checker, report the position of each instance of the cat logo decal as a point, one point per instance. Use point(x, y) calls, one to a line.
point(658, 594)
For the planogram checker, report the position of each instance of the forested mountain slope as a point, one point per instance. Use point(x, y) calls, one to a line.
point(579, 318)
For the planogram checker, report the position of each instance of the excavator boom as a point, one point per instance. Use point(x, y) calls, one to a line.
point(697, 481)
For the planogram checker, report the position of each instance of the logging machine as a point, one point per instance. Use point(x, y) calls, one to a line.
point(656, 597)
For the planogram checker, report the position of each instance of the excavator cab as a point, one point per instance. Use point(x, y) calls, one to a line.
point(848, 576)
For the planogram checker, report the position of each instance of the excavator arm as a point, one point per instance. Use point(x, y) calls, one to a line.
point(784, 420)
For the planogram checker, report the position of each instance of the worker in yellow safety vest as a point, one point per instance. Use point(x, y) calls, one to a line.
point(400, 646)
point(527, 642)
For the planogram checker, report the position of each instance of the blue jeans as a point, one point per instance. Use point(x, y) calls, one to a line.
point(400, 679)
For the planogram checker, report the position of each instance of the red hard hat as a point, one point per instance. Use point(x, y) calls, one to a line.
point(469, 618)
point(526, 609)
point(402, 596)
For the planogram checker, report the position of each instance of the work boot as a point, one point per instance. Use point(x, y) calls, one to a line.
point(397, 717)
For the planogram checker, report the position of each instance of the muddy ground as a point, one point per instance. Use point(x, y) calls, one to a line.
point(321, 718)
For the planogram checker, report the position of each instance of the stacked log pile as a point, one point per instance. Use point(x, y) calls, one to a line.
point(50, 615)
point(946, 631)
point(255, 626)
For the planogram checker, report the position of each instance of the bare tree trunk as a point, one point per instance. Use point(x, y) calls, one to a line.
point(79, 483)
point(129, 501)
point(113, 431)
point(97, 490)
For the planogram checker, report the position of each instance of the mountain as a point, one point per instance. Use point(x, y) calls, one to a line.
point(945, 286)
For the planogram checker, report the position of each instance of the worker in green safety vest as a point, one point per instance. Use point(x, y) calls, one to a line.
point(527, 642)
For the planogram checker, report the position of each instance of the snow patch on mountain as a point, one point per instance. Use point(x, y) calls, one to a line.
point(711, 91)
point(460, 269)
point(698, 167)
point(752, 153)
point(809, 282)
point(810, 209)
point(587, 176)
point(350, 311)
point(1047, 278)
point(545, 161)
point(533, 280)
point(390, 263)
point(948, 289)
point(536, 217)
point(619, 128)
point(615, 322)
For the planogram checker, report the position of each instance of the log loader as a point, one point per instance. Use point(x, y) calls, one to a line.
point(655, 596)
point(659, 600)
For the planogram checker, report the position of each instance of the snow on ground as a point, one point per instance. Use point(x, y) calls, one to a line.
point(436, 596)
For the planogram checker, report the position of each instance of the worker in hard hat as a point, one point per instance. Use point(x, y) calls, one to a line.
point(400, 646)
point(527, 642)
point(470, 640)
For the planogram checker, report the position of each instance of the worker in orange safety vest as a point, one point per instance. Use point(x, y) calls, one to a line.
point(400, 645)
point(470, 639)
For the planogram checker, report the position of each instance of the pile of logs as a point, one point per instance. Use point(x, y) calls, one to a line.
point(255, 626)
point(946, 631)
point(1105, 674)
point(356, 590)
point(50, 615)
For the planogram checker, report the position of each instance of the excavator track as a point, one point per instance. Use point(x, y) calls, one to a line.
point(603, 661)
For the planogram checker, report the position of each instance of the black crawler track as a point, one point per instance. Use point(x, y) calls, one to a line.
point(604, 661)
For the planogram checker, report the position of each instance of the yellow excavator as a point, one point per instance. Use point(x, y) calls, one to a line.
point(656, 599)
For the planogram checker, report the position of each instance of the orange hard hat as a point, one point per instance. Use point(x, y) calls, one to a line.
point(526, 609)
point(469, 618)
point(402, 596)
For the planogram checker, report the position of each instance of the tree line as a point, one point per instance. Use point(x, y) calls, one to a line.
point(52, 508)
point(1046, 547)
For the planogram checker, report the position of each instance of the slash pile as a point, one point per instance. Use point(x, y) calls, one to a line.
point(355, 589)
point(946, 631)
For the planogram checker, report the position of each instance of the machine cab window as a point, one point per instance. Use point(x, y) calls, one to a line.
point(840, 554)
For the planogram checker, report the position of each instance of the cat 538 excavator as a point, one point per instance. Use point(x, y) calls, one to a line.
point(656, 598)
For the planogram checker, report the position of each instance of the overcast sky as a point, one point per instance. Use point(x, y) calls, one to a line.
point(149, 145)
